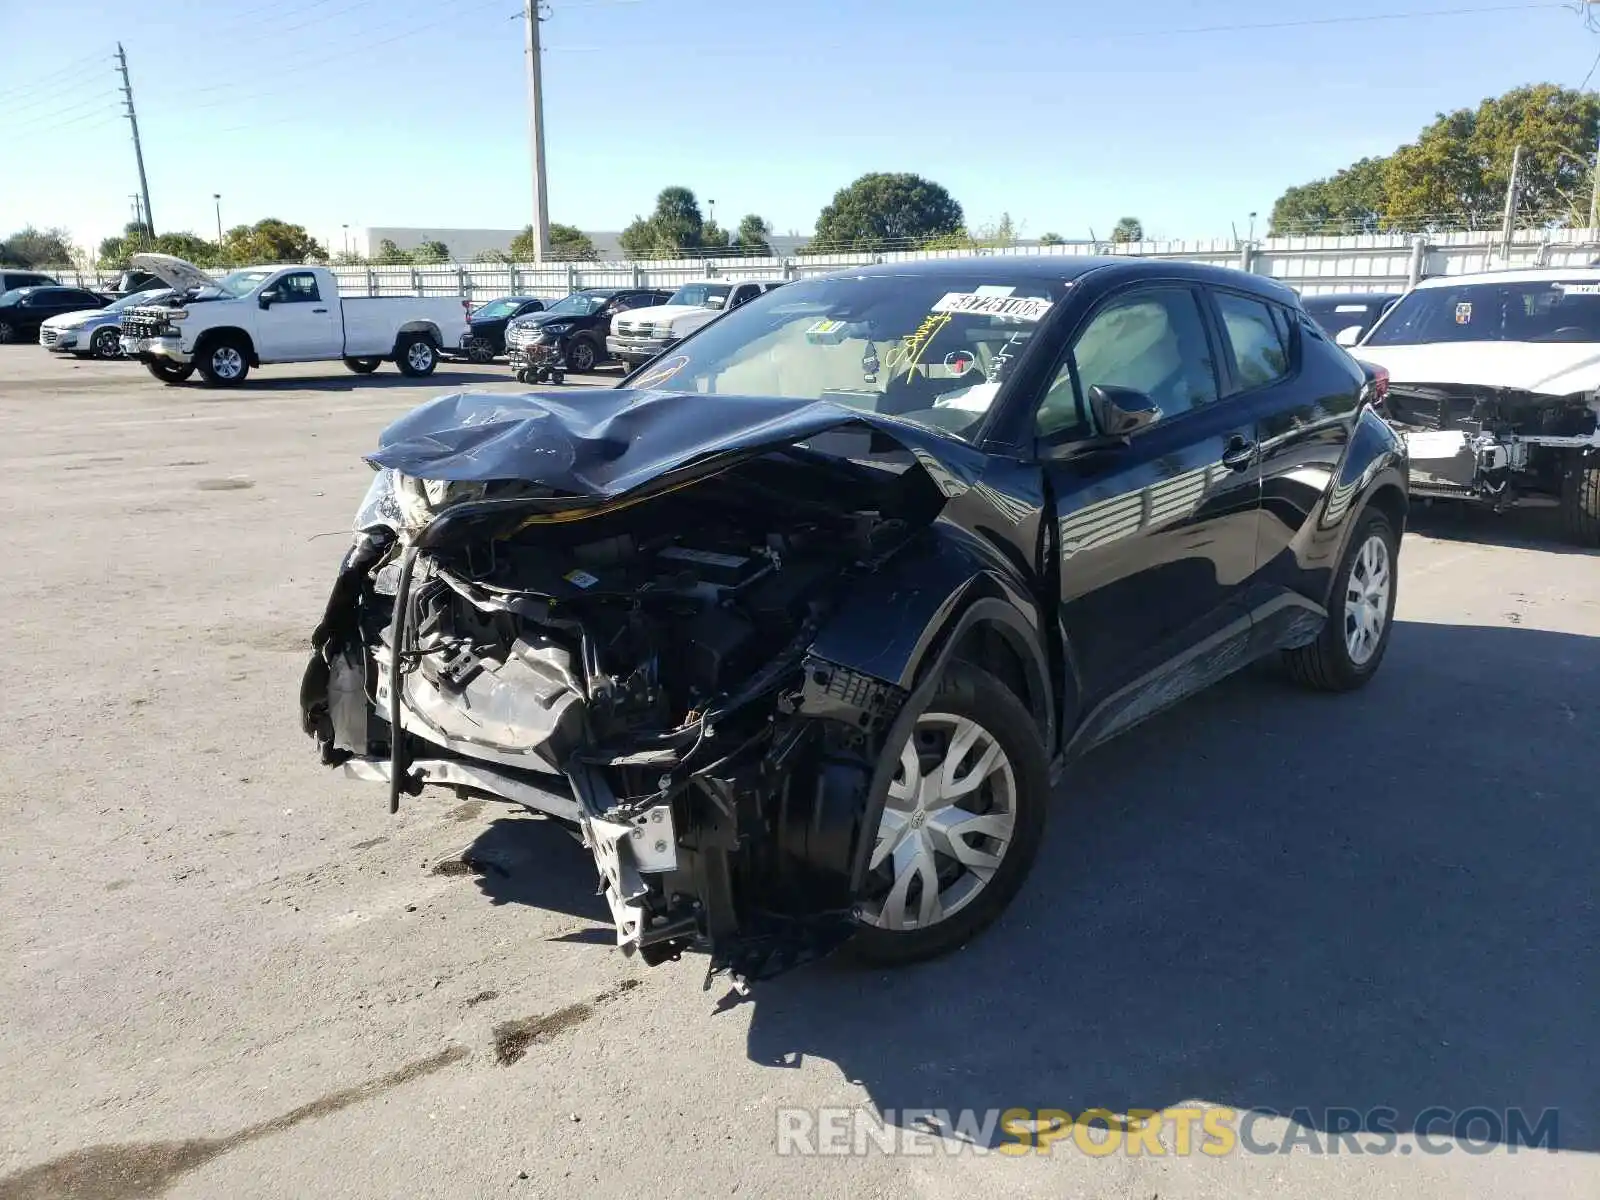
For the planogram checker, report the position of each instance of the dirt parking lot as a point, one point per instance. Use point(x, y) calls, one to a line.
point(230, 973)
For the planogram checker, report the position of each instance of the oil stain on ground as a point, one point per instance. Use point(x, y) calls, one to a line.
point(233, 483)
point(468, 865)
point(466, 811)
point(140, 1170)
point(513, 1039)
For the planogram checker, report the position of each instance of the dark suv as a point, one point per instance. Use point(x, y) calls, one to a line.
point(23, 310)
point(797, 625)
point(570, 335)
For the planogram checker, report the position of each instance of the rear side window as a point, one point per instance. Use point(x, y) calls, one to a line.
point(1260, 349)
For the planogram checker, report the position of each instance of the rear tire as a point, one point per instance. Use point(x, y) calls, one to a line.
point(997, 833)
point(1351, 646)
point(416, 356)
point(170, 372)
point(363, 366)
point(1580, 497)
point(224, 362)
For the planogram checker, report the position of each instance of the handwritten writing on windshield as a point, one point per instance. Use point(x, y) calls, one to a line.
point(909, 353)
point(1004, 356)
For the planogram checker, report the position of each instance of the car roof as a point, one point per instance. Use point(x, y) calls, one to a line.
point(1527, 275)
point(1067, 268)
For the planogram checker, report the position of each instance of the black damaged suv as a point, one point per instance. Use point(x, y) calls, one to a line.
point(796, 624)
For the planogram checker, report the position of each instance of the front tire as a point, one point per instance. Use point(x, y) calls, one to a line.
point(961, 825)
point(8, 333)
point(416, 356)
point(224, 363)
point(582, 356)
point(106, 343)
point(363, 366)
point(170, 372)
point(1580, 498)
point(1351, 646)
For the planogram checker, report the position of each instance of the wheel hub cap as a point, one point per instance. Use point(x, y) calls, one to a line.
point(946, 826)
point(419, 356)
point(226, 362)
point(1366, 604)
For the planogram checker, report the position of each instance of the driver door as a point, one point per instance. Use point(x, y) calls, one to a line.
point(1156, 537)
point(303, 326)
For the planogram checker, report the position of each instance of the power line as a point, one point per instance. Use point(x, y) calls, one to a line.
point(77, 65)
point(1144, 34)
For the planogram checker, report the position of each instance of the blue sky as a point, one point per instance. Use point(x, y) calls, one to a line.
point(1065, 114)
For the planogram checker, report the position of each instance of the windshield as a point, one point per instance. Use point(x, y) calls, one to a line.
point(7, 299)
point(1334, 313)
point(702, 295)
point(240, 283)
point(579, 304)
point(149, 297)
point(934, 349)
point(495, 309)
point(1527, 311)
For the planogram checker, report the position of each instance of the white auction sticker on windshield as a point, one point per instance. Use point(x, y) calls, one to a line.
point(1021, 308)
point(1579, 289)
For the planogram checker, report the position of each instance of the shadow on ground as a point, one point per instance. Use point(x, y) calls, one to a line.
point(1265, 899)
point(1524, 528)
point(1275, 900)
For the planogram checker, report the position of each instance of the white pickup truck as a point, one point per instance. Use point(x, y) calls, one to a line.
point(638, 336)
point(223, 327)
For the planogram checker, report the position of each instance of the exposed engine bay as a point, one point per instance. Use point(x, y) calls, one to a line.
point(640, 670)
point(1499, 446)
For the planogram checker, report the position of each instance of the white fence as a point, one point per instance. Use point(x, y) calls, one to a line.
point(1375, 262)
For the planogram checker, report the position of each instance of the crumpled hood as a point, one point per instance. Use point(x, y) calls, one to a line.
point(1556, 368)
point(602, 443)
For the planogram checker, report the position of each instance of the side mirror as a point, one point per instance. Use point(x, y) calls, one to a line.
point(1348, 336)
point(268, 298)
point(1121, 412)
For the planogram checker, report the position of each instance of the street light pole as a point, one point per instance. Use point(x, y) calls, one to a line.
point(216, 198)
point(541, 207)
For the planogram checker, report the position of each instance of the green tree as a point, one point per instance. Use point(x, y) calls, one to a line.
point(390, 255)
point(30, 247)
point(1052, 239)
point(886, 211)
point(674, 227)
point(715, 241)
point(491, 256)
point(997, 236)
point(754, 237)
point(271, 241)
point(1350, 201)
point(568, 243)
point(430, 253)
point(1454, 175)
point(1128, 229)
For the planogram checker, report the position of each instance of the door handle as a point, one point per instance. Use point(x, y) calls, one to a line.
point(1240, 453)
point(320, 310)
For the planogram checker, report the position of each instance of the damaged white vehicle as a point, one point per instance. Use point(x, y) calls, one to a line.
point(1494, 380)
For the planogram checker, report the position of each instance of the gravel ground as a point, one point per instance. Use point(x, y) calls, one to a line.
point(230, 973)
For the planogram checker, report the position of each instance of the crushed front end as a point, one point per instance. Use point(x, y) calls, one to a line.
point(640, 667)
point(1494, 445)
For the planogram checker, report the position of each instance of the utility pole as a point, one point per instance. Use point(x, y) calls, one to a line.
point(541, 206)
point(138, 150)
point(1511, 205)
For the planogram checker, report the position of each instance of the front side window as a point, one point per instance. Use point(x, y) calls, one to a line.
point(1153, 341)
point(1260, 353)
point(299, 288)
point(1527, 311)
